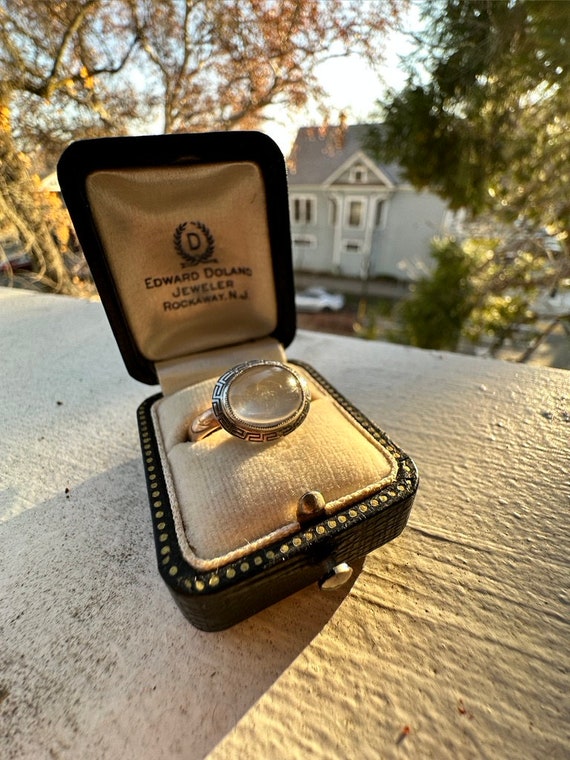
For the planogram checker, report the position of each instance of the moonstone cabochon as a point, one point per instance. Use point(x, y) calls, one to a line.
point(261, 400)
point(265, 395)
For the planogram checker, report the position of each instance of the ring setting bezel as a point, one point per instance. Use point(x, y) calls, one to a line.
point(231, 420)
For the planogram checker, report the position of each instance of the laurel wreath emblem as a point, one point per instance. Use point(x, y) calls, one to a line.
point(189, 259)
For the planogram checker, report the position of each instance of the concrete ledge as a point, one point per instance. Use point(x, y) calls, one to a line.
point(452, 642)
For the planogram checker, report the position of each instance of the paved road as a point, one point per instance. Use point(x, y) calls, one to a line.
point(351, 285)
point(554, 351)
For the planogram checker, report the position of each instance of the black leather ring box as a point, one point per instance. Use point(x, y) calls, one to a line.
point(188, 240)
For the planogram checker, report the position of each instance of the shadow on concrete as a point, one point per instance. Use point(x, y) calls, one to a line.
point(96, 659)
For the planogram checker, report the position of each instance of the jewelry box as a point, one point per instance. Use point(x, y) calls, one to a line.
point(188, 240)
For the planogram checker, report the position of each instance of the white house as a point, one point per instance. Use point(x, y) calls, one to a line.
point(352, 215)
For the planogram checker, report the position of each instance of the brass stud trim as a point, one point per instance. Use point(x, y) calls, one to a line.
point(199, 581)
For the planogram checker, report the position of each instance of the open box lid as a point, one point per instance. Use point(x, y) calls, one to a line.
point(188, 240)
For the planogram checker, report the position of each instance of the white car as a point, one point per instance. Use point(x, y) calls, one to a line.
point(318, 299)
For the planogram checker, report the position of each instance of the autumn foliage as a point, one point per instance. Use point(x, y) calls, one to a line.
point(85, 68)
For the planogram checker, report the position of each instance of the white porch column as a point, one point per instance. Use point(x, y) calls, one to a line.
point(337, 198)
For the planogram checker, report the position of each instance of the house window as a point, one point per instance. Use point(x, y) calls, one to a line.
point(358, 174)
point(352, 246)
point(304, 241)
point(379, 217)
point(304, 209)
point(355, 211)
point(332, 211)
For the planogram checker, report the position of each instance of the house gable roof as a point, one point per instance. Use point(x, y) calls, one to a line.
point(359, 159)
point(321, 153)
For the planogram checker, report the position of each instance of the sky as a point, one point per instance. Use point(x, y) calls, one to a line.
point(352, 86)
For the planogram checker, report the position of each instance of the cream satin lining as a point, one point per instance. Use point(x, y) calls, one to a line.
point(177, 374)
point(231, 497)
point(149, 218)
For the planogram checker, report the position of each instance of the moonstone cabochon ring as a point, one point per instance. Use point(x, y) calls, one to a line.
point(257, 401)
